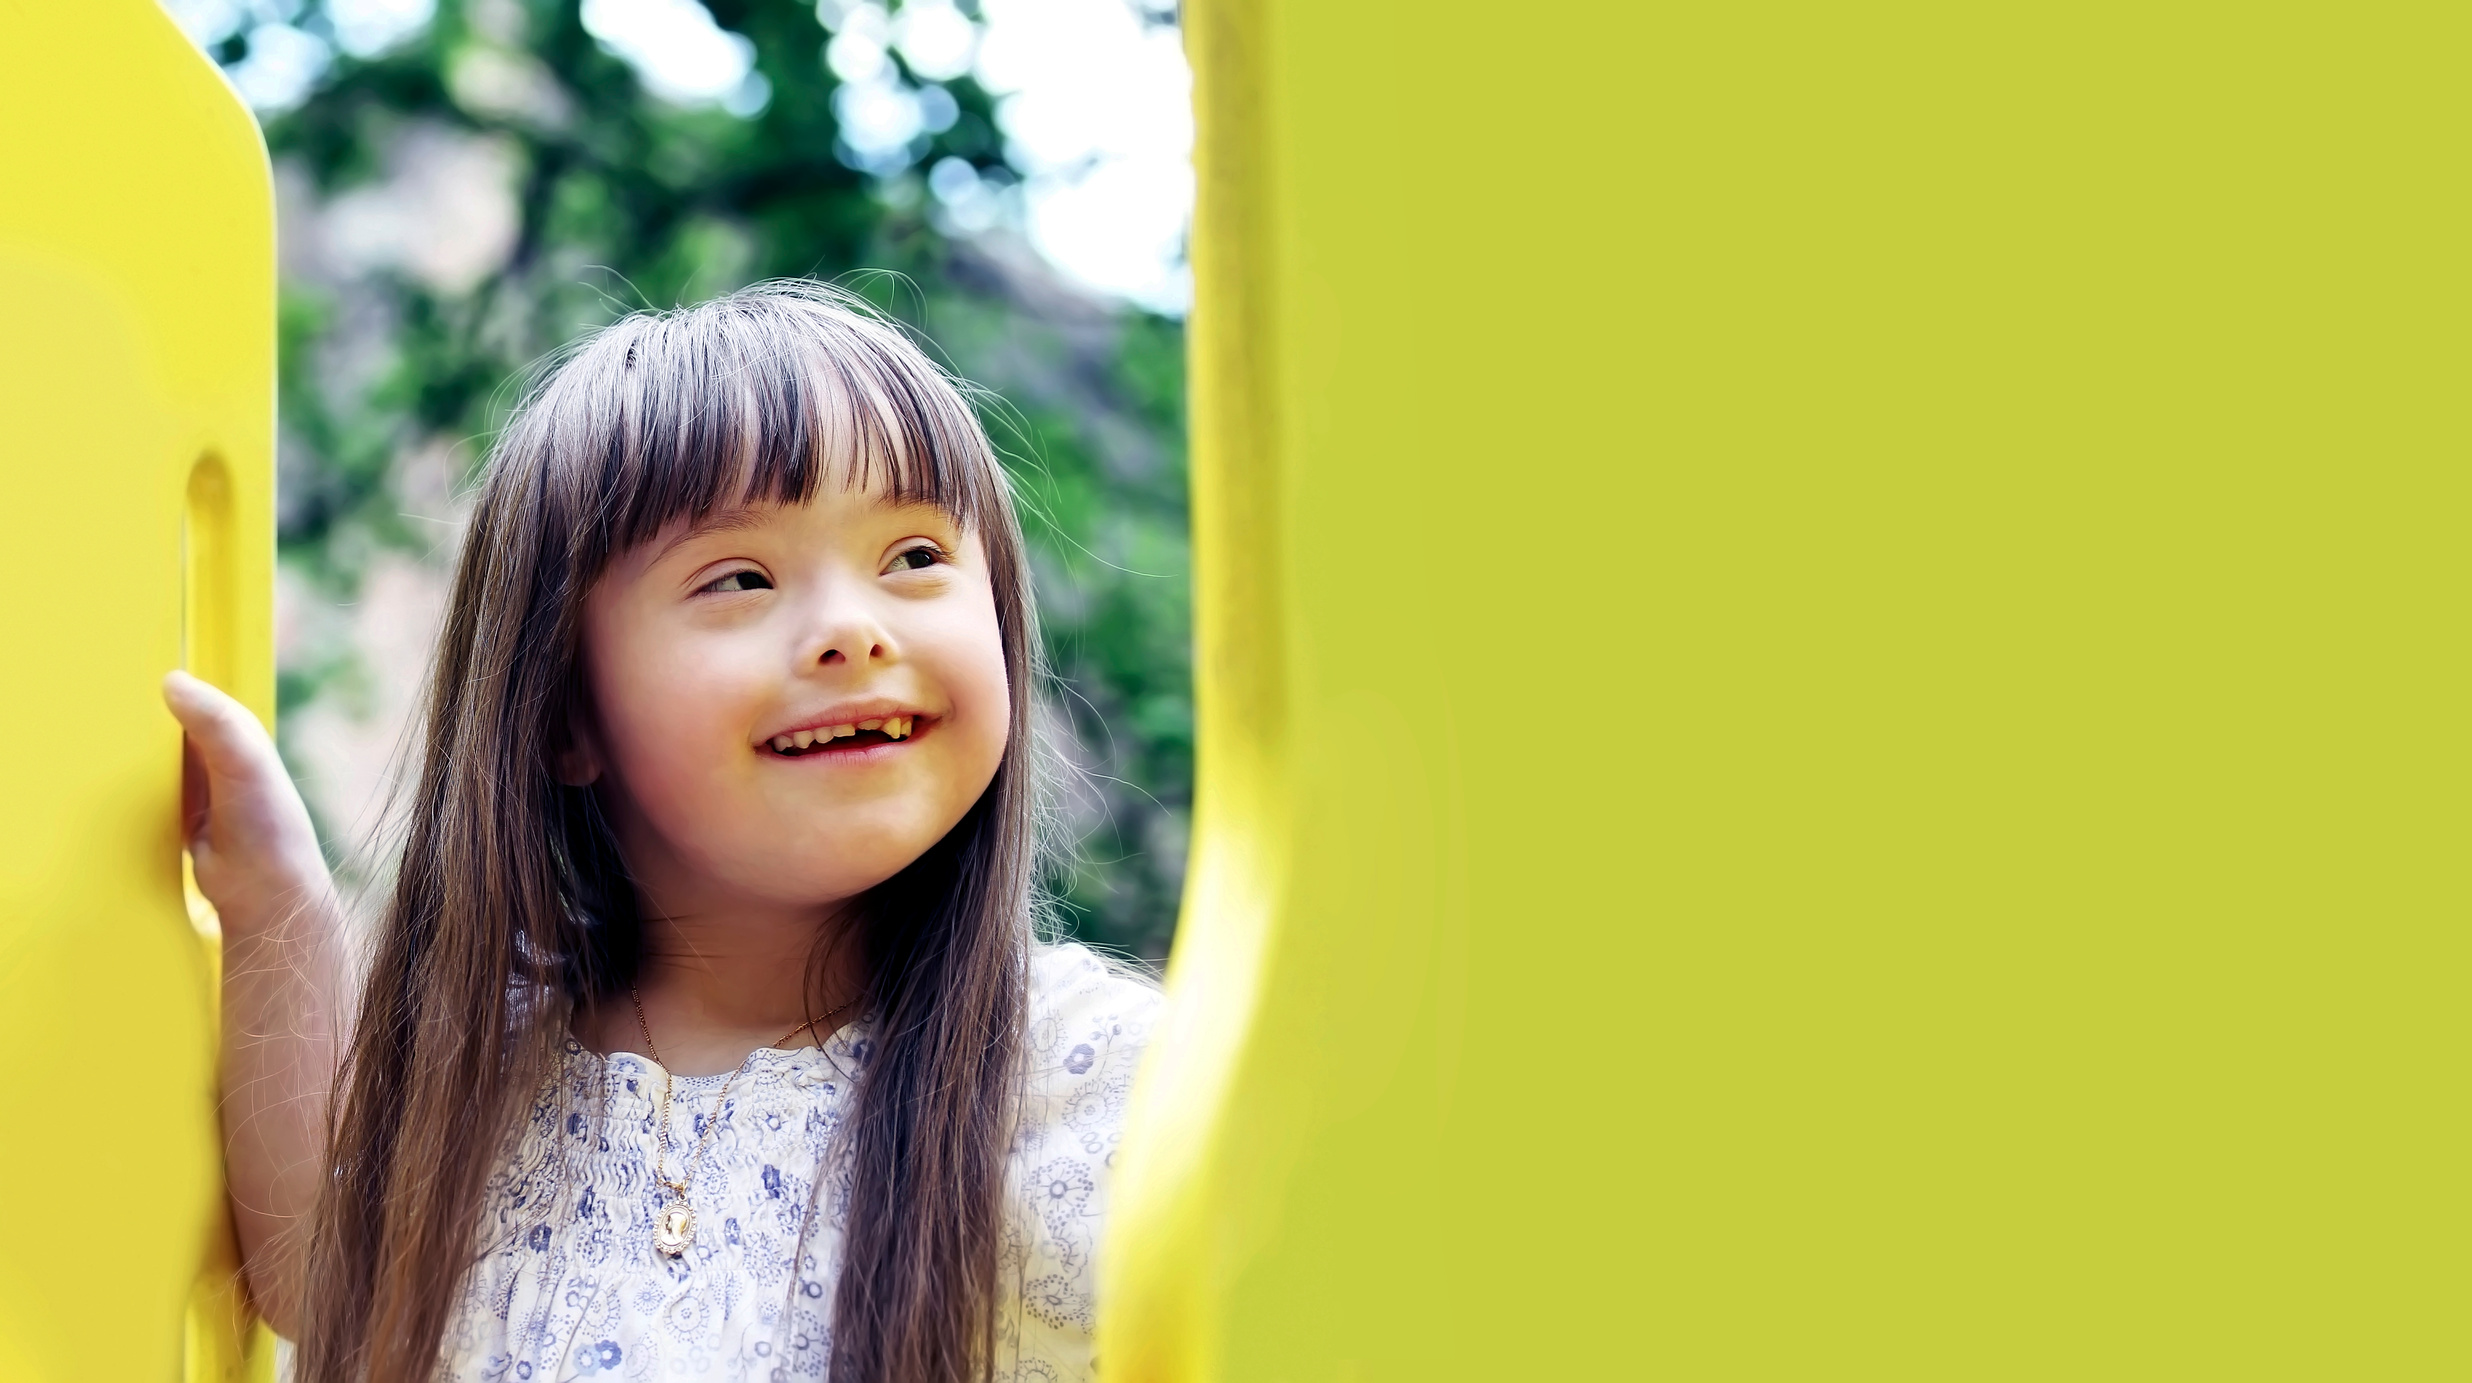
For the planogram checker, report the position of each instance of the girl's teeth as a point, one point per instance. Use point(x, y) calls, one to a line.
point(894, 727)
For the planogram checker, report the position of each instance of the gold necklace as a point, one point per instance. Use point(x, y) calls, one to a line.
point(673, 1229)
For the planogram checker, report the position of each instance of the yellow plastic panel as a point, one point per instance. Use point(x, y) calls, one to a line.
point(1832, 699)
point(136, 535)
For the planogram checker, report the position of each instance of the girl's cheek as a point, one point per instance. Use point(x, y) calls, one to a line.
point(980, 666)
point(667, 703)
point(994, 696)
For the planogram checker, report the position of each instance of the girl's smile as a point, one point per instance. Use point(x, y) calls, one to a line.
point(844, 731)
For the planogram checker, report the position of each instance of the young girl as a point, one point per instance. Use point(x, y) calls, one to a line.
point(704, 1031)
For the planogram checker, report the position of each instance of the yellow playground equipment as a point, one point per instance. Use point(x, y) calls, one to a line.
point(1832, 699)
point(1832, 707)
point(137, 384)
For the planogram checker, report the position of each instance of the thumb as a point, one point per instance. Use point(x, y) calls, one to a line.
point(227, 739)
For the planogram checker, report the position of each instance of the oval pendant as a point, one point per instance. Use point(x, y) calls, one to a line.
point(673, 1229)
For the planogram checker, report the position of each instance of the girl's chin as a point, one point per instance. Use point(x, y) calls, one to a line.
point(820, 864)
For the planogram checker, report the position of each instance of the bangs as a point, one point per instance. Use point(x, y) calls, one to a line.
point(760, 397)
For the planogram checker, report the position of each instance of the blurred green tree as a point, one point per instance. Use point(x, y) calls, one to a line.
point(413, 304)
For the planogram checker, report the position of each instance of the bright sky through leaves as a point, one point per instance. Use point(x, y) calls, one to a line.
point(1093, 98)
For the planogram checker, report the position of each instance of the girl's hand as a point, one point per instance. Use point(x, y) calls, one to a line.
point(256, 854)
point(284, 980)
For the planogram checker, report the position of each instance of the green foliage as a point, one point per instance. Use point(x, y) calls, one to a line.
point(623, 201)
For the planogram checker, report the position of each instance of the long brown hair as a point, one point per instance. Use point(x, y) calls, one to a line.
point(511, 904)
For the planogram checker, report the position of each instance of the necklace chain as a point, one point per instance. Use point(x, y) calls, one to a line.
point(686, 1172)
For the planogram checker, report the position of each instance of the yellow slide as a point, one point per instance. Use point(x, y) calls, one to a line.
point(1832, 700)
point(137, 352)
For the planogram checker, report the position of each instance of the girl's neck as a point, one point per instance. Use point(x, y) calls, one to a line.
point(714, 987)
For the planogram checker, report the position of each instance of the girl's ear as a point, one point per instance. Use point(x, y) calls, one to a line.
point(578, 762)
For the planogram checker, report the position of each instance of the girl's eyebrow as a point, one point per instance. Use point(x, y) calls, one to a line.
point(737, 520)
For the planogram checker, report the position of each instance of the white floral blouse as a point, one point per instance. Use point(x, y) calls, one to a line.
point(571, 1287)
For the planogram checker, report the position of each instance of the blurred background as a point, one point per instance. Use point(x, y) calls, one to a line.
point(463, 185)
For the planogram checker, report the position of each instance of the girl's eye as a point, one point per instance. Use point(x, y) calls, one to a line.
point(743, 580)
point(911, 559)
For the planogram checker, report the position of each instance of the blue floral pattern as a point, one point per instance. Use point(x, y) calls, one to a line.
point(569, 1286)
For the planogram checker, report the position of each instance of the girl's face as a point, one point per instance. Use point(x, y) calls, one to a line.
point(722, 658)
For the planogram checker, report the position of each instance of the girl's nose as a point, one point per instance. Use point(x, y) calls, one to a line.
point(874, 653)
point(845, 634)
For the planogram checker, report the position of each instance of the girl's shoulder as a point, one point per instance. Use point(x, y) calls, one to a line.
point(1088, 1011)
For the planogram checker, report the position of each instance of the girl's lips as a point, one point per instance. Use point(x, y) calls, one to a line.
point(848, 735)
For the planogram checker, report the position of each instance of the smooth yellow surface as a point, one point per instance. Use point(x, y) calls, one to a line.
point(1832, 700)
point(136, 535)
